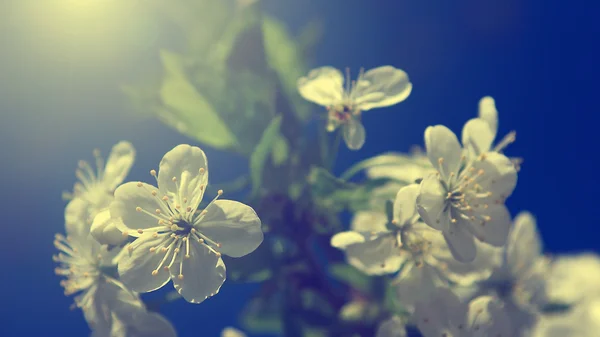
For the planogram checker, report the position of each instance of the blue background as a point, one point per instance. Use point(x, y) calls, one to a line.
point(537, 59)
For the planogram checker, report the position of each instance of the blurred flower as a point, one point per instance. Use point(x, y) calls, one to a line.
point(392, 327)
point(174, 238)
point(465, 198)
point(582, 321)
point(446, 315)
point(573, 278)
point(104, 229)
point(232, 332)
point(376, 88)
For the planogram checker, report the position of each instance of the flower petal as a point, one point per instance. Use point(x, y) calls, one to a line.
point(415, 284)
point(232, 224)
point(354, 134)
point(392, 327)
point(441, 314)
point(524, 246)
point(232, 332)
point(124, 208)
point(381, 87)
point(136, 267)
point(118, 164)
point(488, 112)
point(499, 177)
point(378, 255)
point(343, 240)
point(184, 163)
point(431, 203)
point(369, 221)
point(405, 204)
point(150, 324)
point(443, 149)
point(105, 231)
point(461, 242)
point(477, 137)
point(486, 317)
point(495, 231)
point(203, 274)
point(323, 86)
point(76, 219)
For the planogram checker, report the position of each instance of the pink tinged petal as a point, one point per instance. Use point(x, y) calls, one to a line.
point(392, 327)
point(477, 136)
point(76, 218)
point(494, 230)
point(203, 274)
point(461, 242)
point(499, 177)
point(524, 246)
point(140, 268)
point(431, 203)
point(488, 112)
point(235, 226)
point(486, 317)
point(381, 87)
point(354, 134)
point(323, 86)
point(369, 221)
point(405, 204)
point(118, 165)
point(105, 231)
point(378, 255)
point(443, 149)
point(188, 165)
point(134, 208)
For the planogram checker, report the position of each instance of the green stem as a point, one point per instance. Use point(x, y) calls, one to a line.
point(334, 150)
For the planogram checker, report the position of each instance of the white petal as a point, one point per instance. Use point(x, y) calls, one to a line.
point(493, 232)
point(443, 147)
point(105, 231)
point(477, 136)
point(344, 239)
point(381, 87)
point(184, 163)
point(149, 324)
point(392, 327)
point(431, 203)
point(405, 204)
point(136, 267)
point(378, 255)
point(130, 196)
point(232, 332)
point(466, 274)
point(499, 178)
point(488, 112)
point(76, 219)
point(118, 165)
point(461, 242)
point(524, 245)
point(573, 278)
point(486, 317)
point(203, 274)
point(369, 221)
point(323, 86)
point(354, 134)
point(232, 224)
point(415, 284)
point(441, 314)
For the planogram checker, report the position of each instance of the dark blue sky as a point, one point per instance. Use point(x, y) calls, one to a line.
point(537, 58)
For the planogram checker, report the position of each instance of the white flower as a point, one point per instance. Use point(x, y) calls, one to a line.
point(175, 240)
point(446, 315)
point(465, 198)
point(392, 327)
point(582, 321)
point(232, 332)
point(376, 88)
point(573, 278)
point(104, 229)
point(93, 192)
point(90, 272)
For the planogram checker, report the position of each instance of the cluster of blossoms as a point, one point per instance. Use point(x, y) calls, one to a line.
point(126, 239)
point(459, 263)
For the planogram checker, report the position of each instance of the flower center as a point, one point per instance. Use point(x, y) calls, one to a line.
point(183, 227)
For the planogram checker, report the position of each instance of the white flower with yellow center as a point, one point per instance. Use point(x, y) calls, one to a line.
point(376, 88)
point(465, 197)
point(174, 239)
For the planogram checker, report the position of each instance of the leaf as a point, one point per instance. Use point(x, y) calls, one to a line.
point(262, 315)
point(285, 57)
point(351, 276)
point(261, 153)
point(254, 267)
point(191, 112)
point(280, 151)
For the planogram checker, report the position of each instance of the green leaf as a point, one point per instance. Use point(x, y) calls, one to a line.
point(262, 315)
point(254, 267)
point(280, 151)
point(351, 276)
point(192, 113)
point(261, 153)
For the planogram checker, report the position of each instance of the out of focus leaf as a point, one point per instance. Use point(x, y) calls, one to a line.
point(254, 267)
point(351, 276)
point(195, 116)
point(280, 151)
point(261, 153)
point(262, 315)
point(362, 311)
point(312, 301)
